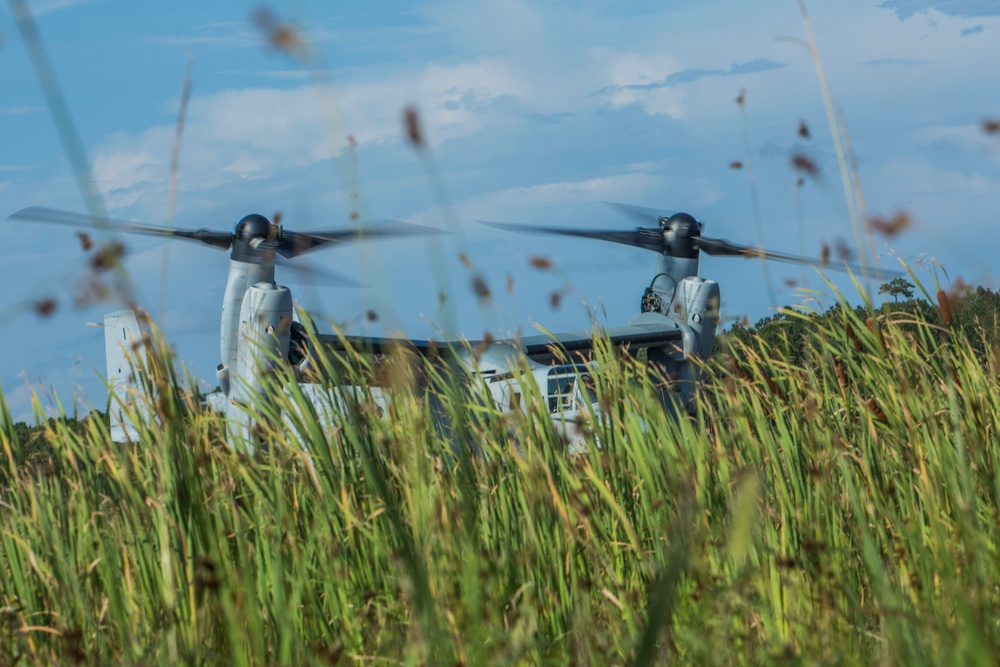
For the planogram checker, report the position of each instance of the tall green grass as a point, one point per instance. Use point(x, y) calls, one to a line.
point(836, 509)
point(842, 510)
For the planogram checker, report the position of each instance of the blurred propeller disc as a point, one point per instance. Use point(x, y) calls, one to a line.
point(254, 235)
point(640, 213)
point(221, 240)
point(677, 238)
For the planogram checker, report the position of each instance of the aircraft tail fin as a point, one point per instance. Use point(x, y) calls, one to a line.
point(125, 351)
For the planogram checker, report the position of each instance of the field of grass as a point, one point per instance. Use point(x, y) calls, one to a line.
point(838, 511)
point(837, 505)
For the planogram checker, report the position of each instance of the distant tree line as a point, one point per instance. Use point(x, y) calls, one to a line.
point(968, 314)
point(32, 449)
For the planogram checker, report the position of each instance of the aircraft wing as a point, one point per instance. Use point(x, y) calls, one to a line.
point(543, 348)
point(637, 336)
point(546, 348)
point(380, 345)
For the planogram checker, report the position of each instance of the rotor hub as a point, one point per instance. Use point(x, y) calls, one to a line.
point(681, 224)
point(679, 232)
point(251, 227)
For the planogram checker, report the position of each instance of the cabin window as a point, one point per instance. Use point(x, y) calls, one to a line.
point(588, 388)
point(561, 393)
point(570, 386)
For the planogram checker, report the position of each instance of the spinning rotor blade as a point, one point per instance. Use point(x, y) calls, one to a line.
point(223, 240)
point(724, 248)
point(650, 239)
point(657, 240)
point(292, 244)
point(313, 276)
point(641, 213)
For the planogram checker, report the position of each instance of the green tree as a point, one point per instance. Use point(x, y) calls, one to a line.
point(897, 287)
point(977, 316)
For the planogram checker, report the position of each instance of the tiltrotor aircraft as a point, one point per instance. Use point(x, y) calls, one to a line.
point(677, 322)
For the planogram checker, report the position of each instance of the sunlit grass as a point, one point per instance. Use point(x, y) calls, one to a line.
point(840, 510)
point(837, 505)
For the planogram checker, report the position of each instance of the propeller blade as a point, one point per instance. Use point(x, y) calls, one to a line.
point(307, 274)
point(293, 244)
point(223, 240)
point(641, 213)
point(724, 248)
point(650, 239)
point(653, 239)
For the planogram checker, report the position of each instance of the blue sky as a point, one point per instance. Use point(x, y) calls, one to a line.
point(535, 112)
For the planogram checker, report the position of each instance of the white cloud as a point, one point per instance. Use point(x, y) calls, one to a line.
point(228, 33)
point(526, 202)
point(259, 133)
point(513, 26)
point(923, 176)
point(49, 6)
point(236, 134)
point(625, 73)
point(20, 111)
point(970, 139)
point(453, 101)
point(905, 9)
point(128, 160)
point(523, 59)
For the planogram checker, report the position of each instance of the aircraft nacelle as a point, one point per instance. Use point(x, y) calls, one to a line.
point(696, 305)
point(264, 337)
